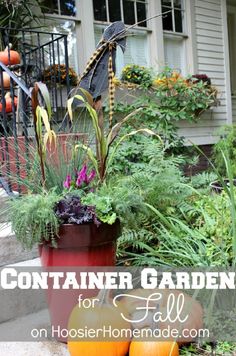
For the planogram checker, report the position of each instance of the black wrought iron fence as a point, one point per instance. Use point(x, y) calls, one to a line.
point(41, 56)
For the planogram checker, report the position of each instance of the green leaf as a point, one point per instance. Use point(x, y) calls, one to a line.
point(132, 133)
point(90, 154)
point(46, 97)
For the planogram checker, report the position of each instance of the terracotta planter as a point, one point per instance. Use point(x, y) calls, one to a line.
point(79, 245)
point(82, 245)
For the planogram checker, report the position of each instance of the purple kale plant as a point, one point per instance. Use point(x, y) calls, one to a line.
point(70, 210)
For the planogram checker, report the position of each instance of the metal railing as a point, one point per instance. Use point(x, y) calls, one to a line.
point(44, 57)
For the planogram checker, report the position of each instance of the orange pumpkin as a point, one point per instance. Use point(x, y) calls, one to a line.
point(192, 309)
point(153, 348)
point(8, 56)
point(103, 314)
point(98, 348)
point(8, 105)
point(6, 80)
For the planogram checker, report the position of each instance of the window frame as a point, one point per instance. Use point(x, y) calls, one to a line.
point(183, 11)
point(146, 2)
point(64, 17)
point(184, 36)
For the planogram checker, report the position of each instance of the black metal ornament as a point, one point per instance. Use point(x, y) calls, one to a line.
point(95, 78)
point(100, 71)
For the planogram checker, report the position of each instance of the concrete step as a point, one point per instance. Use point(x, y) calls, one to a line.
point(35, 262)
point(46, 348)
point(14, 331)
point(11, 250)
point(17, 302)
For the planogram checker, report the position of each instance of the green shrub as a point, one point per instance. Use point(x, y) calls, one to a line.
point(227, 143)
point(194, 227)
point(170, 99)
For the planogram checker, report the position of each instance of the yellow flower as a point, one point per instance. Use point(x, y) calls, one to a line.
point(116, 81)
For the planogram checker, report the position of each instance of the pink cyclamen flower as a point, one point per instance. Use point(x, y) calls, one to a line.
point(81, 176)
point(67, 182)
point(91, 176)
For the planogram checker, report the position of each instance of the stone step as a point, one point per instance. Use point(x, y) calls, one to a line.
point(13, 330)
point(11, 250)
point(17, 302)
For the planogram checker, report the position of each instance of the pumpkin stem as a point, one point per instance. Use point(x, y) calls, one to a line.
point(103, 296)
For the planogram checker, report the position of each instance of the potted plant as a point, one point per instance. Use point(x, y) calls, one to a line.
point(58, 73)
point(72, 214)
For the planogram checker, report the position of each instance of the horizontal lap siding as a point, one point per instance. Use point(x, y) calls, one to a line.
point(234, 109)
point(211, 61)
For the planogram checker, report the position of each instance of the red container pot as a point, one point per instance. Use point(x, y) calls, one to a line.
point(83, 245)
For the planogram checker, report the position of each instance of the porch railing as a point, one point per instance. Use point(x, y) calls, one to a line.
point(42, 53)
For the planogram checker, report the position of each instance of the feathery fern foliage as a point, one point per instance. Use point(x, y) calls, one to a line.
point(33, 218)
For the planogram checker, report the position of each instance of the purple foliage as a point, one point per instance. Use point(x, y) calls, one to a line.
point(91, 176)
point(82, 176)
point(70, 210)
point(67, 182)
point(202, 77)
point(82, 180)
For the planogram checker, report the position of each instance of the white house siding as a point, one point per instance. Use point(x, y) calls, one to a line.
point(234, 109)
point(210, 53)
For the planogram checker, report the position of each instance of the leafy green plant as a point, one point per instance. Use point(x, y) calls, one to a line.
point(225, 144)
point(136, 74)
point(103, 157)
point(202, 181)
point(170, 99)
point(157, 180)
point(33, 218)
point(221, 349)
point(228, 185)
point(104, 209)
point(42, 116)
point(199, 231)
point(188, 97)
point(95, 203)
point(178, 245)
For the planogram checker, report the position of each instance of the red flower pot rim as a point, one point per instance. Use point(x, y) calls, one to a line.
point(86, 235)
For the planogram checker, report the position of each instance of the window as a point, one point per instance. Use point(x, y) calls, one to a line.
point(174, 37)
point(136, 50)
point(174, 49)
point(59, 7)
point(129, 11)
point(59, 25)
point(66, 27)
point(173, 21)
